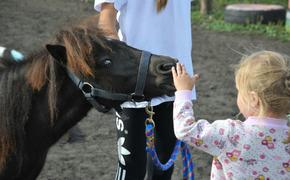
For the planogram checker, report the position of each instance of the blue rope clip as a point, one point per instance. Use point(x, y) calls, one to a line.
point(188, 166)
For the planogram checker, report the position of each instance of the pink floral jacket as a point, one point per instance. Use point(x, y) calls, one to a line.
point(252, 149)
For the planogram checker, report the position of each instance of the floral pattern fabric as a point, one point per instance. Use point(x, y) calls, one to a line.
point(253, 149)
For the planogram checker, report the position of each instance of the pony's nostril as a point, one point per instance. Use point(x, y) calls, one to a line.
point(166, 67)
point(176, 61)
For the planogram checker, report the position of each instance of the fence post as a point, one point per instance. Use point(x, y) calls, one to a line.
point(205, 6)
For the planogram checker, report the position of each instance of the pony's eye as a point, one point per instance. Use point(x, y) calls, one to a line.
point(106, 62)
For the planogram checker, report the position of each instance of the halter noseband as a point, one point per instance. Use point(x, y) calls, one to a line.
point(92, 92)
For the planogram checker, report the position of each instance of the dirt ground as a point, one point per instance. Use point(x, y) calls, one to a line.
point(27, 24)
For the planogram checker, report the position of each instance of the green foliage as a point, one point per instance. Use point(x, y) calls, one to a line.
point(215, 21)
point(223, 3)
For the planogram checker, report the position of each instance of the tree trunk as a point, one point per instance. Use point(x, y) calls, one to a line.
point(205, 6)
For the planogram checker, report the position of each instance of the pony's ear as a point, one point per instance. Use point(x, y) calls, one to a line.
point(58, 52)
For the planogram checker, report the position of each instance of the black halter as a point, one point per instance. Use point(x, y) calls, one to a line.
point(92, 92)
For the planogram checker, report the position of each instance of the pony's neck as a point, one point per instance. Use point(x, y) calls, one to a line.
point(57, 107)
point(71, 106)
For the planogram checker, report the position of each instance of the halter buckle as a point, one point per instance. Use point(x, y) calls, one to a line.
point(137, 97)
point(87, 88)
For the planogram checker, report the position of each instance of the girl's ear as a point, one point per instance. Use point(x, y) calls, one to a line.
point(254, 100)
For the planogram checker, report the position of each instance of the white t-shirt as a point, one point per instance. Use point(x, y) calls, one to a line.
point(165, 33)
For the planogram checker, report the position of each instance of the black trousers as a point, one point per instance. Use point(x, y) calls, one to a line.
point(130, 123)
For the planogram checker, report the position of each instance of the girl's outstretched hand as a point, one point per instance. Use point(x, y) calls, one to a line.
point(182, 80)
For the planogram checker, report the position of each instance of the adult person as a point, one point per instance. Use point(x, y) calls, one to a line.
point(161, 27)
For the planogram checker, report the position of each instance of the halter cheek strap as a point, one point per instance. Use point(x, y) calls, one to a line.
point(141, 78)
point(91, 92)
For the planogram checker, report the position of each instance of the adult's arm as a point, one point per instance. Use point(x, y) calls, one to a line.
point(107, 20)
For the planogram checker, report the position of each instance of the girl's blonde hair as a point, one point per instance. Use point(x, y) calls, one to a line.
point(160, 4)
point(267, 74)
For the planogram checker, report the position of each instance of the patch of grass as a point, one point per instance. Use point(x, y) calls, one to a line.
point(215, 22)
point(223, 3)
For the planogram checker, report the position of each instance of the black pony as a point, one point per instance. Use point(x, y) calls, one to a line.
point(40, 101)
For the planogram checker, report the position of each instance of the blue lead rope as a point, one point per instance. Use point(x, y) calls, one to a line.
point(188, 172)
point(188, 167)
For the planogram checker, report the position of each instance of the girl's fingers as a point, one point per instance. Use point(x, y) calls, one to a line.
point(178, 69)
point(195, 77)
point(173, 72)
point(183, 69)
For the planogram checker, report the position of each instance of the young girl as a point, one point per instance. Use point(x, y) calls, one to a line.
point(259, 147)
